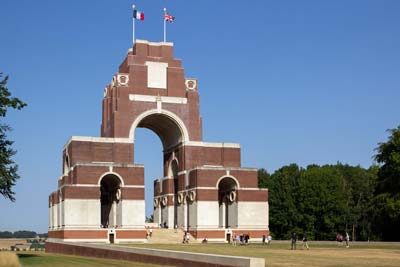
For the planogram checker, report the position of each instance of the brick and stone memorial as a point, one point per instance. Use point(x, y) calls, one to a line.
point(205, 190)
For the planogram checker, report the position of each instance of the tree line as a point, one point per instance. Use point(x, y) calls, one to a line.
point(21, 234)
point(321, 201)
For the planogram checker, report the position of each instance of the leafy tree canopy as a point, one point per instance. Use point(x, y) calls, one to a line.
point(389, 157)
point(385, 206)
point(8, 168)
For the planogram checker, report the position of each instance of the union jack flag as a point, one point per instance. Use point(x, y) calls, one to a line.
point(169, 17)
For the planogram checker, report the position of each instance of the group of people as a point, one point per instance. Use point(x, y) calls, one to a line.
point(266, 239)
point(164, 225)
point(339, 239)
point(242, 239)
point(294, 241)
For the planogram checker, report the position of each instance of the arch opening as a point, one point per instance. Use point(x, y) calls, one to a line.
point(110, 195)
point(148, 151)
point(172, 132)
point(167, 130)
point(227, 199)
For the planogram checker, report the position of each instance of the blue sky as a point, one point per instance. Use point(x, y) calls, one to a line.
point(292, 81)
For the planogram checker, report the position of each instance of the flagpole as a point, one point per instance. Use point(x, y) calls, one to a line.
point(133, 27)
point(165, 26)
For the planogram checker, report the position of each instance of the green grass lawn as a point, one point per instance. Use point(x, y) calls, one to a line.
point(41, 259)
point(279, 254)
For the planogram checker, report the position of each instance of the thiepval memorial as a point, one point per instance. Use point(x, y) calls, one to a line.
point(205, 190)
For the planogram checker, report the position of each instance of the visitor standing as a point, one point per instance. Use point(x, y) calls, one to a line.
point(305, 242)
point(269, 239)
point(237, 240)
point(263, 239)
point(347, 238)
point(184, 238)
point(294, 240)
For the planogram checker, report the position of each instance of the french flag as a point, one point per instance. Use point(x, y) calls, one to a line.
point(138, 15)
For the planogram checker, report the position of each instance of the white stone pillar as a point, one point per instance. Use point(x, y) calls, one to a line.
point(223, 214)
point(185, 212)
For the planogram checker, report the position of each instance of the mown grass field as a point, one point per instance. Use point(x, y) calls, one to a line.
point(324, 255)
point(277, 254)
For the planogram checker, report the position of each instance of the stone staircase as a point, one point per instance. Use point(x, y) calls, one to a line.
point(168, 236)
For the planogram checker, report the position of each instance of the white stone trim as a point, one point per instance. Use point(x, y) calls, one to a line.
point(154, 43)
point(169, 114)
point(107, 164)
point(206, 188)
point(209, 144)
point(152, 98)
point(209, 167)
point(96, 139)
point(254, 188)
point(134, 186)
point(182, 172)
point(213, 166)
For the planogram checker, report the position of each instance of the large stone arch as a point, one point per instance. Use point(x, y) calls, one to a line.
point(167, 125)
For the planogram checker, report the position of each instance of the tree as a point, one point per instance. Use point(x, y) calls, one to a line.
point(8, 168)
point(322, 202)
point(283, 201)
point(25, 234)
point(388, 157)
point(263, 177)
point(359, 185)
point(385, 207)
point(6, 234)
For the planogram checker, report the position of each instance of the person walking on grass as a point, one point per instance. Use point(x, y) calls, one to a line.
point(305, 242)
point(347, 238)
point(269, 239)
point(294, 240)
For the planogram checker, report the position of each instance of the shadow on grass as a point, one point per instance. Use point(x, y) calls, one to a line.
point(24, 255)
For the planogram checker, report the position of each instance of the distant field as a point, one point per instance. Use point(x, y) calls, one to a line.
point(7, 242)
point(324, 254)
